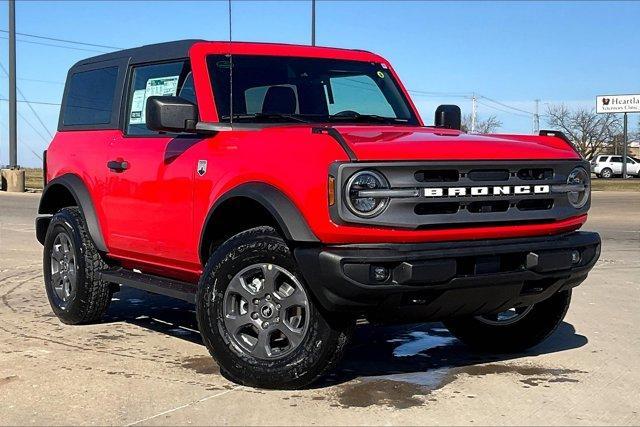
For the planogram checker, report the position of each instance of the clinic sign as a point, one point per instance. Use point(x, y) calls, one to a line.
point(618, 104)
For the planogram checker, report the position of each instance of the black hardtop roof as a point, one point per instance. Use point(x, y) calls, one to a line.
point(152, 52)
point(147, 53)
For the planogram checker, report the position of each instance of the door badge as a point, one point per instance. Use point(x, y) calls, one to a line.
point(202, 167)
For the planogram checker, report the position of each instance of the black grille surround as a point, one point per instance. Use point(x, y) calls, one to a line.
point(416, 211)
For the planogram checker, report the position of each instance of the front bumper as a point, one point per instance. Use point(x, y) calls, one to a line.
point(434, 281)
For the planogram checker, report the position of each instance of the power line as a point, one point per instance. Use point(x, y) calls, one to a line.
point(57, 45)
point(35, 102)
point(27, 145)
point(35, 113)
point(506, 105)
point(24, 119)
point(502, 110)
point(37, 80)
point(64, 40)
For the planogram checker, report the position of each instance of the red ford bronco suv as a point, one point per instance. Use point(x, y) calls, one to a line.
point(289, 190)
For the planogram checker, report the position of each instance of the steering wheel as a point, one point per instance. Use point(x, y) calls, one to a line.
point(347, 113)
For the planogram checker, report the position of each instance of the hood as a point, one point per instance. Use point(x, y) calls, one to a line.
point(380, 143)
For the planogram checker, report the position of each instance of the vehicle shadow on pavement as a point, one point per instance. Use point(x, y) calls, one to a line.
point(412, 353)
point(408, 352)
point(155, 312)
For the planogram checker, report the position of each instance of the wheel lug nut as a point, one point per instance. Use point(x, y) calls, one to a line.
point(278, 306)
point(256, 301)
point(265, 325)
point(277, 319)
point(268, 297)
point(254, 315)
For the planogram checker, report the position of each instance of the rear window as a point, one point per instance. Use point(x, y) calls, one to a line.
point(90, 97)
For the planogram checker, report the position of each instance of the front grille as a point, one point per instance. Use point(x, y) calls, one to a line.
point(459, 194)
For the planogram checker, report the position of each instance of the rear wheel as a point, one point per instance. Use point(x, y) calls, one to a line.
point(71, 270)
point(258, 319)
point(513, 330)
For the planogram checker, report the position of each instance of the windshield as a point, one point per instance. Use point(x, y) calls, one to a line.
point(314, 90)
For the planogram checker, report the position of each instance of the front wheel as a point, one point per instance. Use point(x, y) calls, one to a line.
point(513, 330)
point(257, 317)
point(606, 173)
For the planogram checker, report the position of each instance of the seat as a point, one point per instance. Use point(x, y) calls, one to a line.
point(279, 100)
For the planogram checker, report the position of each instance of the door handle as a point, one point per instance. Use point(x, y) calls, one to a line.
point(117, 165)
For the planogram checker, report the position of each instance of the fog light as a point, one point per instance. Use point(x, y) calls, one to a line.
point(380, 273)
point(575, 257)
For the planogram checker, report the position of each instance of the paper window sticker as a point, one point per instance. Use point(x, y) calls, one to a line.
point(137, 107)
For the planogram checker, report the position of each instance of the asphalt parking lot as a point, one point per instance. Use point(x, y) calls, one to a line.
point(145, 363)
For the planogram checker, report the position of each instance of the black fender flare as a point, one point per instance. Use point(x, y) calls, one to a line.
point(289, 218)
point(80, 193)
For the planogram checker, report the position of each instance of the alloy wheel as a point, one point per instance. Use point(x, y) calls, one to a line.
point(265, 311)
point(63, 268)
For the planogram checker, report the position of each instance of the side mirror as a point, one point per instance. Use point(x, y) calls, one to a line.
point(448, 116)
point(171, 114)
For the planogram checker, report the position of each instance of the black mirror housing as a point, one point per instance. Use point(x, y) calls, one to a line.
point(171, 114)
point(449, 117)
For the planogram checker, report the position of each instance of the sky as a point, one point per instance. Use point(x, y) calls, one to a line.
point(509, 52)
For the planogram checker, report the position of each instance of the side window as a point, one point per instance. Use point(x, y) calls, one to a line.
point(90, 97)
point(188, 91)
point(616, 159)
point(168, 79)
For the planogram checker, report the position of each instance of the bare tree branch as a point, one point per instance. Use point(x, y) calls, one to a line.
point(490, 125)
point(591, 133)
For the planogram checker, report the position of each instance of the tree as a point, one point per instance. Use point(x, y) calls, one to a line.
point(490, 125)
point(590, 132)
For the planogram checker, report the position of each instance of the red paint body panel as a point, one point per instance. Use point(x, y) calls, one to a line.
point(152, 215)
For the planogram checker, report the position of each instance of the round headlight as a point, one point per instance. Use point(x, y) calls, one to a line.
point(366, 205)
point(580, 178)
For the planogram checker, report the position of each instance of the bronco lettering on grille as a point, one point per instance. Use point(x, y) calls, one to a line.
point(500, 190)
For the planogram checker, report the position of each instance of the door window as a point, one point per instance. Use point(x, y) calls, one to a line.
point(168, 79)
point(616, 159)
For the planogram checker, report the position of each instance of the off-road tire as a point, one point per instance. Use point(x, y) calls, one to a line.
point(322, 346)
point(532, 329)
point(606, 173)
point(91, 297)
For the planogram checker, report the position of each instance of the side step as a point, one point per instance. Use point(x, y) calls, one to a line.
point(150, 283)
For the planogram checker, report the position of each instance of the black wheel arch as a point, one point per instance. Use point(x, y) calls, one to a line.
point(272, 206)
point(64, 191)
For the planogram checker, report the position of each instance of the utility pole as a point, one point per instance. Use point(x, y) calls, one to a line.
point(313, 22)
point(13, 176)
point(13, 132)
point(624, 148)
point(536, 118)
point(474, 113)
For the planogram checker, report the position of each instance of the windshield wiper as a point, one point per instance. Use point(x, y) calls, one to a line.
point(357, 117)
point(268, 116)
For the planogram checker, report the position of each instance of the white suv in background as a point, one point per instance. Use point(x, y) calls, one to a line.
point(606, 166)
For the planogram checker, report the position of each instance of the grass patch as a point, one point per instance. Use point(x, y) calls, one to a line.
point(631, 184)
point(33, 178)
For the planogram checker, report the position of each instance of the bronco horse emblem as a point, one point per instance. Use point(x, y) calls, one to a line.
point(202, 167)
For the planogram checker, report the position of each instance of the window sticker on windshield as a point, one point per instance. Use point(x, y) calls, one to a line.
point(160, 86)
point(380, 74)
point(137, 107)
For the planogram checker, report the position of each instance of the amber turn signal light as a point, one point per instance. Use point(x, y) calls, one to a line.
point(332, 191)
